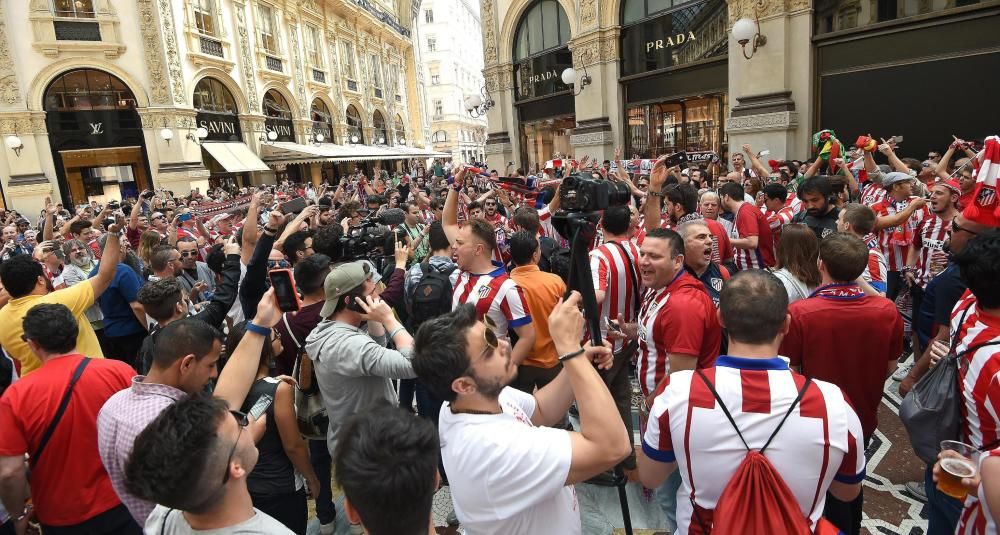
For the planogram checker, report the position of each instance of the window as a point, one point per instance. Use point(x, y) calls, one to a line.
point(379, 130)
point(204, 16)
point(80, 9)
point(313, 43)
point(349, 59)
point(435, 79)
point(428, 15)
point(210, 95)
point(438, 108)
point(440, 136)
point(635, 10)
point(376, 66)
point(432, 44)
point(268, 29)
point(355, 132)
point(542, 28)
point(88, 89)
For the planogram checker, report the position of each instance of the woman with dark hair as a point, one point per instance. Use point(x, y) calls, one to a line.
point(798, 251)
point(276, 483)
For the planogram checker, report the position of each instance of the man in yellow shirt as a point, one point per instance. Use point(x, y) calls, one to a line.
point(542, 292)
point(27, 285)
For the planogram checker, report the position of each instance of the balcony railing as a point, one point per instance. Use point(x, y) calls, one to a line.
point(273, 63)
point(386, 18)
point(378, 93)
point(211, 47)
point(352, 85)
point(319, 76)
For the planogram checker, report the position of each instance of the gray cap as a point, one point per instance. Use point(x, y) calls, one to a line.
point(342, 279)
point(894, 177)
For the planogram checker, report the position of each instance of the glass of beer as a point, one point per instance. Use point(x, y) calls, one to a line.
point(957, 461)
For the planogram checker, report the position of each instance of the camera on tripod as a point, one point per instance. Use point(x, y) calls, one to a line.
point(364, 240)
point(579, 193)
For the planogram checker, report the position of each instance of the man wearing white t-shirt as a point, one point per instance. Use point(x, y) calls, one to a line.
point(819, 447)
point(507, 475)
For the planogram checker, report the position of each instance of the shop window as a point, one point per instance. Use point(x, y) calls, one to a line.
point(693, 125)
point(86, 90)
point(77, 9)
point(276, 106)
point(543, 26)
point(439, 137)
point(541, 140)
point(379, 129)
point(836, 15)
point(354, 125)
point(211, 95)
point(322, 121)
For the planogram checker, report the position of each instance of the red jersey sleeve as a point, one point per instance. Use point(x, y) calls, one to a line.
point(681, 325)
point(746, 223)
point(12, 440)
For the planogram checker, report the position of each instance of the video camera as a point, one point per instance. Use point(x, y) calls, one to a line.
point(368, 239)
point(579, 193)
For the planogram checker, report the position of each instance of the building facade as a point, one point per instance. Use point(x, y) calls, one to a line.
point(108, 98)
point(666, 75)
point(453, 71)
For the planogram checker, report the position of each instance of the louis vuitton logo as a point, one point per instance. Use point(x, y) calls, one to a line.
point(96, 129)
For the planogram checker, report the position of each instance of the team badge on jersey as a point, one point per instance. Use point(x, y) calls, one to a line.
point(484, 291)
point(716, 284)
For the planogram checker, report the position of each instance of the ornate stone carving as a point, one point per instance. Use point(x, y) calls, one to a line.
point(23, 123)
point(609, 48)
point(166, 29)
point(592, 139)
point(250, 83)
point(158, 91)
point(585, 54)
point(300, 84)
point(764, 8)
point(10, 92)
point(784, 120)
point(488, 23)
point(588, 13)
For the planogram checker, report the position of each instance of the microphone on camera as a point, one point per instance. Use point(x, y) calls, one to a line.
point(391, 217)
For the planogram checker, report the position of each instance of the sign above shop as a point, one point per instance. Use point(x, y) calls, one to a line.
point(282, 127)
point(692, 33)
point(220, 126)
point(542, 75)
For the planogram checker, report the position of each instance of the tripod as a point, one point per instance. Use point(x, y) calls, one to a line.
point(582, 227)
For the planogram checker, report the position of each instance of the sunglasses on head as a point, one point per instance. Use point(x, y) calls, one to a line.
point(242, 420)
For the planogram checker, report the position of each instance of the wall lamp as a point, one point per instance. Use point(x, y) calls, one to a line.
point(15, 144)
point(477, 105)
point(198, 135)
point(746, 30)
point(269, 137)
point(165, 133)
point(569, 77)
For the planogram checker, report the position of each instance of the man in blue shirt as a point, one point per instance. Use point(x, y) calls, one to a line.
point(124, 317)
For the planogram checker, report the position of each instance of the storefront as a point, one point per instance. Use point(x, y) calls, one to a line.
point(96, 137)
point(228, 159)
point(935, 65)
point(278, 127)
point(674, 77)
point(322, 134)
point(545, 106)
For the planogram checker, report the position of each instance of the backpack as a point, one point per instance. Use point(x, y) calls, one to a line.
point(756, 499)
point(930, 411)
point(310, 411)
point(431, 295)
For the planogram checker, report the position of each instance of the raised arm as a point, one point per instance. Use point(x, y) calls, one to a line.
point(50, 219)
point(449, 215)
point(250, 230)
point(899, 217)
point(240, 370)
point(755, 162)
point(109, 262)
point(651, 209)
point(886, 148)
point(133, 216)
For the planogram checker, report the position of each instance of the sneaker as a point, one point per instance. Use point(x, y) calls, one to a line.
point(327, 529)
point(916, 489)
point(357, 529)
point(901, 372)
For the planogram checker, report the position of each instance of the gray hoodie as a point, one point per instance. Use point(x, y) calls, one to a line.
point(353, 371)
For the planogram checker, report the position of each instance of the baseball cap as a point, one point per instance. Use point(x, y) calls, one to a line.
point(220, 217)
point(893, 178)
point(951, 184)
point(342, 279)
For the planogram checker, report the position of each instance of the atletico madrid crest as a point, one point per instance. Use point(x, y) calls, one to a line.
point(717, 284)
point(484, 291)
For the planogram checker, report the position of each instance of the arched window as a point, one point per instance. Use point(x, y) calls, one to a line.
point(439, 137)
point(322, 121)
point(88, 90)
point(380, 133)
point(543, 26)
point(276, 106)
point(399, 130)
point(354, 125)
point(212, 96)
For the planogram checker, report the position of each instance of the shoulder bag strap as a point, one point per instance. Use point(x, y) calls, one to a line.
point(632, 275)
point(60, 411)
point(284, 318)
point(791, 408)
point(725, 409)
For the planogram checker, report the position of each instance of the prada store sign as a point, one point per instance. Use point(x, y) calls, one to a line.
point(686, 35)
point(542, 75)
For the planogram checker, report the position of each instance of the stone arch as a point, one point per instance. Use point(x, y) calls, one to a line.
point(335, 111)
point(514, 14)
point(225, 79)
point(293, 103)
point(45, 77)
point(611, 13)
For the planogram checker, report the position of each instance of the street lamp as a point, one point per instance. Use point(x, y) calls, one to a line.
point(569, 77)
point(166, 134)
point(476, 105)
point(198, 135)
point(14, 143)
point(746, 30)
point(354, 139)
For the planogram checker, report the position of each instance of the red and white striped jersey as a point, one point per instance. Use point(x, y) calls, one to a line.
point(876, 272)
point(495, 295)
point(548, 229)
point(872, 193)
point(778, 219)
point(895, 241)
point(749, 221)
point(929, 238)
point(976, 518)
point(977, 371)
point(821, 440)
point(612, 268)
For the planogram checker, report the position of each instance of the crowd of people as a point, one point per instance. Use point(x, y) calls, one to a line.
point(438, 336)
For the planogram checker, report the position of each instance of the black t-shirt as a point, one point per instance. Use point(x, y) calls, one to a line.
point(940, 296)
point(823, 225)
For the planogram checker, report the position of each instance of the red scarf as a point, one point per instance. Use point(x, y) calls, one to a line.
point(839, 290)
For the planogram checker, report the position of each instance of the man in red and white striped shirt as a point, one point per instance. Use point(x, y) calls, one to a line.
point(617, 288)
point(777, 210)
point(751, 235)
point(479, 282)
point(927, 257)
point(898, 215)
point(975, 330)
point(818, 449)
point(859, 220)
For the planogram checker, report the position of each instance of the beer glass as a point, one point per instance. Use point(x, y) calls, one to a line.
point(957, 460)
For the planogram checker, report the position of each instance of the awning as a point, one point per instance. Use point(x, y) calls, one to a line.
point(235, 157)
point(287, 152)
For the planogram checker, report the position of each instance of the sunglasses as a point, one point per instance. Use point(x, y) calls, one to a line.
point(490, 336)
point(242, 421)
point(284, 264)
point(189, 253)
point(956, 228)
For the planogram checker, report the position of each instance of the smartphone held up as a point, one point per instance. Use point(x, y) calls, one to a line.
point(284, 289)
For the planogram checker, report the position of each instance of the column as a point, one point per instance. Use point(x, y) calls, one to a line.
point(598, 110)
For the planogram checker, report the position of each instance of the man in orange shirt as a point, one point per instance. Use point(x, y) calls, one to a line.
point(542, 292)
